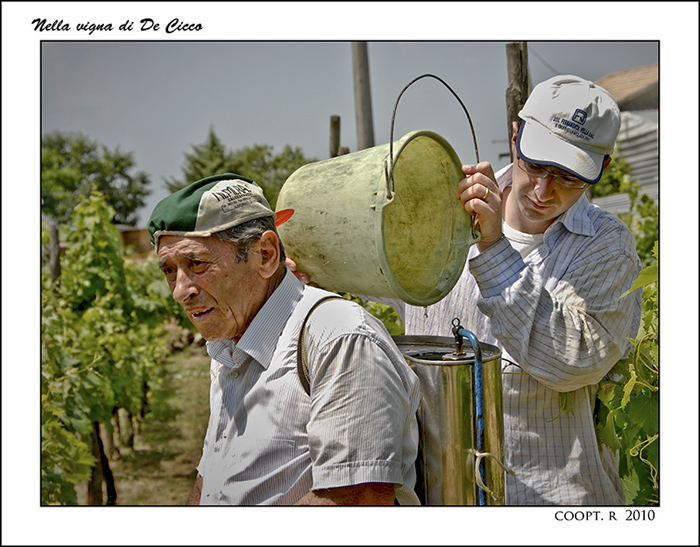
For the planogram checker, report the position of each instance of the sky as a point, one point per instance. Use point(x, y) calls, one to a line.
point(274, 73)
point(158, 99)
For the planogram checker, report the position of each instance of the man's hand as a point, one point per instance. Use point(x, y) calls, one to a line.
point(369, 493)
point(304, 278)
point(481, 197)
point(196, 494)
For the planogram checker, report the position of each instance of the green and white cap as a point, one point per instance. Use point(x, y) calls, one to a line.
point(208, 206)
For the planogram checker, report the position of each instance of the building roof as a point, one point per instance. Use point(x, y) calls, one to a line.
point(637, 93)
point(629, 86)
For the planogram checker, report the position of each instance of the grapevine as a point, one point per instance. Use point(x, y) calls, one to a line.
point(628, 413)
point(101, 346)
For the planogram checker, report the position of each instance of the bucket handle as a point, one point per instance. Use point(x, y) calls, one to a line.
point(390, 178)
point(479, 480)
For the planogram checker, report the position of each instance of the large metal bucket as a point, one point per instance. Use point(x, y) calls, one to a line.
point(352, 232)
point(450, 469)
point(384, 221)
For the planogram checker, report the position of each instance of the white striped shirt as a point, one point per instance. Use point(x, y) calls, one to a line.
point(557, 315)
point(268, 442)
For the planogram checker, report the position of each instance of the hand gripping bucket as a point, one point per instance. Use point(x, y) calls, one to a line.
point(384, 221)
point(460, 421)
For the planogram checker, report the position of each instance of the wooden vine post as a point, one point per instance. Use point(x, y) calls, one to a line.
point(518, 88)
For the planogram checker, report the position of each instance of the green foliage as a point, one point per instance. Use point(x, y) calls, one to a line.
point(68, 384)
point(151, 296)
point(101, 344)
point(615, 175)
point(269, 170)
point(257, 162)
point(384, 313)
point(643, 222)
point(65, 459)
point(72, 165)
point(643, 216)
point(93, 265)
point(628, 416)
point(206, 159)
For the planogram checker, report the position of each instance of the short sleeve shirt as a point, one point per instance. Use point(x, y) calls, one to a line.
point(268, 442)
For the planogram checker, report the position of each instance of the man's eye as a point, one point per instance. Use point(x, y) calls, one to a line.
point(532, 168)
point(198, 265)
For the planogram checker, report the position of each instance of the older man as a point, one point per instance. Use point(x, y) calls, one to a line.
point(353, 439)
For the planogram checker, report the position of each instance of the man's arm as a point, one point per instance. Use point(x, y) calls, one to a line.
point(196, 493)
point(370, 493)
point(570, 335)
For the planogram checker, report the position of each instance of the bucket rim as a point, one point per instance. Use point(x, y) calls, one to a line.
point(403, 342)
point(386, 195)
point(412, 135)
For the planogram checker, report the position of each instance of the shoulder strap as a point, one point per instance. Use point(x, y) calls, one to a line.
point(302, 364)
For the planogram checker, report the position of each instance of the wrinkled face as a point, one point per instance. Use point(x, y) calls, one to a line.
point(219, 294)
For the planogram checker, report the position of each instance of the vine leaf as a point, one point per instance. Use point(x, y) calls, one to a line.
point(648, 275)
point(607, 433)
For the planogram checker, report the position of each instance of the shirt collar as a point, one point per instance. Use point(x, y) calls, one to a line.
point(260, 338)
point(575, 218)
point(221, 352)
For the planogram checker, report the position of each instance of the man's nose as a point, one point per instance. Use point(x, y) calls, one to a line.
point(545, 188)
point(184, 288)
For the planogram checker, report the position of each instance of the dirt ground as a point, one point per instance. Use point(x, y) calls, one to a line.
point(160, 468)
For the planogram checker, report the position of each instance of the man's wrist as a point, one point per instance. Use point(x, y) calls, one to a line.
point(483, 245)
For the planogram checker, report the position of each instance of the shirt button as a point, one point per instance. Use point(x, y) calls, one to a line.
point(234, 374)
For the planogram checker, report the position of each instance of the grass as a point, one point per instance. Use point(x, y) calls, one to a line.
point(159, 470)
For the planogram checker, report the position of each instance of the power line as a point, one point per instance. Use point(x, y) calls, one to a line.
point(545, 63)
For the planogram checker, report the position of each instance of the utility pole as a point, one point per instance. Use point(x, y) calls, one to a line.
point(363, 99)
point(518, 84)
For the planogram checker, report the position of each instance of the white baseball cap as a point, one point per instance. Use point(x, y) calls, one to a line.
point(569, 123)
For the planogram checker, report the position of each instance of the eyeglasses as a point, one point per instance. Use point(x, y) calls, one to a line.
point(537, 171)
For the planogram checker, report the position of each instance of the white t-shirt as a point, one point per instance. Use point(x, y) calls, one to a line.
point(522, 242)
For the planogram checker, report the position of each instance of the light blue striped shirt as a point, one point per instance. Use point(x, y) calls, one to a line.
point(557, 314)
point(268, 442)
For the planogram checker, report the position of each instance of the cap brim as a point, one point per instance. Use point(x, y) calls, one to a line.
point(537, 144)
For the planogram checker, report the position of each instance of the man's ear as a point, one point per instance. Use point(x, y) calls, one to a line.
point(606, 162)
point(269, 253)
point(514, 138)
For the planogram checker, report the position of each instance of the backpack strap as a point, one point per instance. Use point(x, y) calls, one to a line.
point(302, 363)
